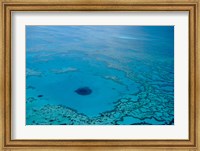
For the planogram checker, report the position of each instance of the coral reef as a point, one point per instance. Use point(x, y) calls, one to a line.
point(128, 71)
point(126, 111)
point(31, 72)
point(65, 70)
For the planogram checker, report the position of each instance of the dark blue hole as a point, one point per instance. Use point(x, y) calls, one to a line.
point(39, 96)
point(83, 91)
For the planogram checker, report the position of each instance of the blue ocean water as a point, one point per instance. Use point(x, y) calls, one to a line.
point(129, 71)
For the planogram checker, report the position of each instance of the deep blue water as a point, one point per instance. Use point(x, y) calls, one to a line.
point(129, 70)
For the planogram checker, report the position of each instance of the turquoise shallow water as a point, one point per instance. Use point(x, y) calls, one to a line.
point(129, 70)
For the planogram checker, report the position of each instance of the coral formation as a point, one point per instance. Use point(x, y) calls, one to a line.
point(65, 70)
point(31, 72)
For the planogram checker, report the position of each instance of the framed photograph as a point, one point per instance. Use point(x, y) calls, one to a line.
point(100, 75)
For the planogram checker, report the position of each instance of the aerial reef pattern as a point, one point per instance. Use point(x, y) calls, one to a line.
point(99, 75)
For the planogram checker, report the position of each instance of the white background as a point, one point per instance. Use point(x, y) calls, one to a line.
point(178, 131)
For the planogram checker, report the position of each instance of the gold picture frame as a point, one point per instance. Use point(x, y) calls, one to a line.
point(192, 6)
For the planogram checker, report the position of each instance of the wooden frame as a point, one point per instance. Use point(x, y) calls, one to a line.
point(100, 5)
